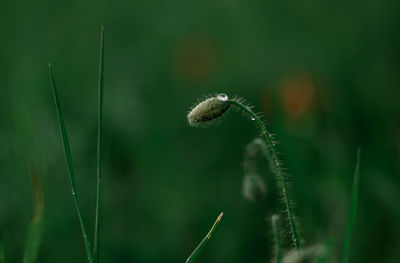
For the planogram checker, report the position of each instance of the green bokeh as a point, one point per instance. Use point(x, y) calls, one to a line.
point(325, 74)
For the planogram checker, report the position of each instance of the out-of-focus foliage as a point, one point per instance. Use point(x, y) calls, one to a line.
point(325, 74)
point(35, 230)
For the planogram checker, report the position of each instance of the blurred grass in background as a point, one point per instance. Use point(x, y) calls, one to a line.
point(326, 75)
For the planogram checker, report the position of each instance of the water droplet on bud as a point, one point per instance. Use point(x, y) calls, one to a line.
point(208, 110)
point(222, 97)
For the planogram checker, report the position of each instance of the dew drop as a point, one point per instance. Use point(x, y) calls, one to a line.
point(222, 97)
point(252, 119)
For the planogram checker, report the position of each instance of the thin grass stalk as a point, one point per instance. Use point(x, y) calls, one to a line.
point(96, 240)
point(278, 171)
point(353, 209)
point(200, 247)
point(68, 157)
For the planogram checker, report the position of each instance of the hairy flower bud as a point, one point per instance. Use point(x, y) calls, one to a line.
point(208, 110)
point(316, 253)
point(253, 187)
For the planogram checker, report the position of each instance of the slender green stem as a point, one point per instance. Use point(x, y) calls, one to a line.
point(353, 209)
point(68, 156)
point(278, 171)
point(198, 249)
point(99, 135)
point(275, 230)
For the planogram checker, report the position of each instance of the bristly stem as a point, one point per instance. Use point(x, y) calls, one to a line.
point(353, 208)
point(99, 135)
point(278, 170)
point(276, 232)
point(198, 249)
point(68, 157)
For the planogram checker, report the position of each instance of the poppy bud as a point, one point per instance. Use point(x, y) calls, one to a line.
point(253, 187)
point(208, 110)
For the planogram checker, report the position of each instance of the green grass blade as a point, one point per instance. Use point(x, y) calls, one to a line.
point(276, 232)
point(99, 135)
point(68, 157)
point(199, 248)
point(353, 209)
point(35, 231)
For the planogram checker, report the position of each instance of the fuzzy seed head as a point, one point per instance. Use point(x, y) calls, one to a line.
point(316, 253)
point(253, 187)
point(208, 110)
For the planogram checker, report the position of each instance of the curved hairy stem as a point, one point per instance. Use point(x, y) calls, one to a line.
point(68, 157)
point(276, 232)
point(278, 170)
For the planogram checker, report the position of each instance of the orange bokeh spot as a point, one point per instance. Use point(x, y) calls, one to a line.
point(297, 96)
point(196, 58)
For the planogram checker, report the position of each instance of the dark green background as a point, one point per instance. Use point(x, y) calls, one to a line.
point(165, 182)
